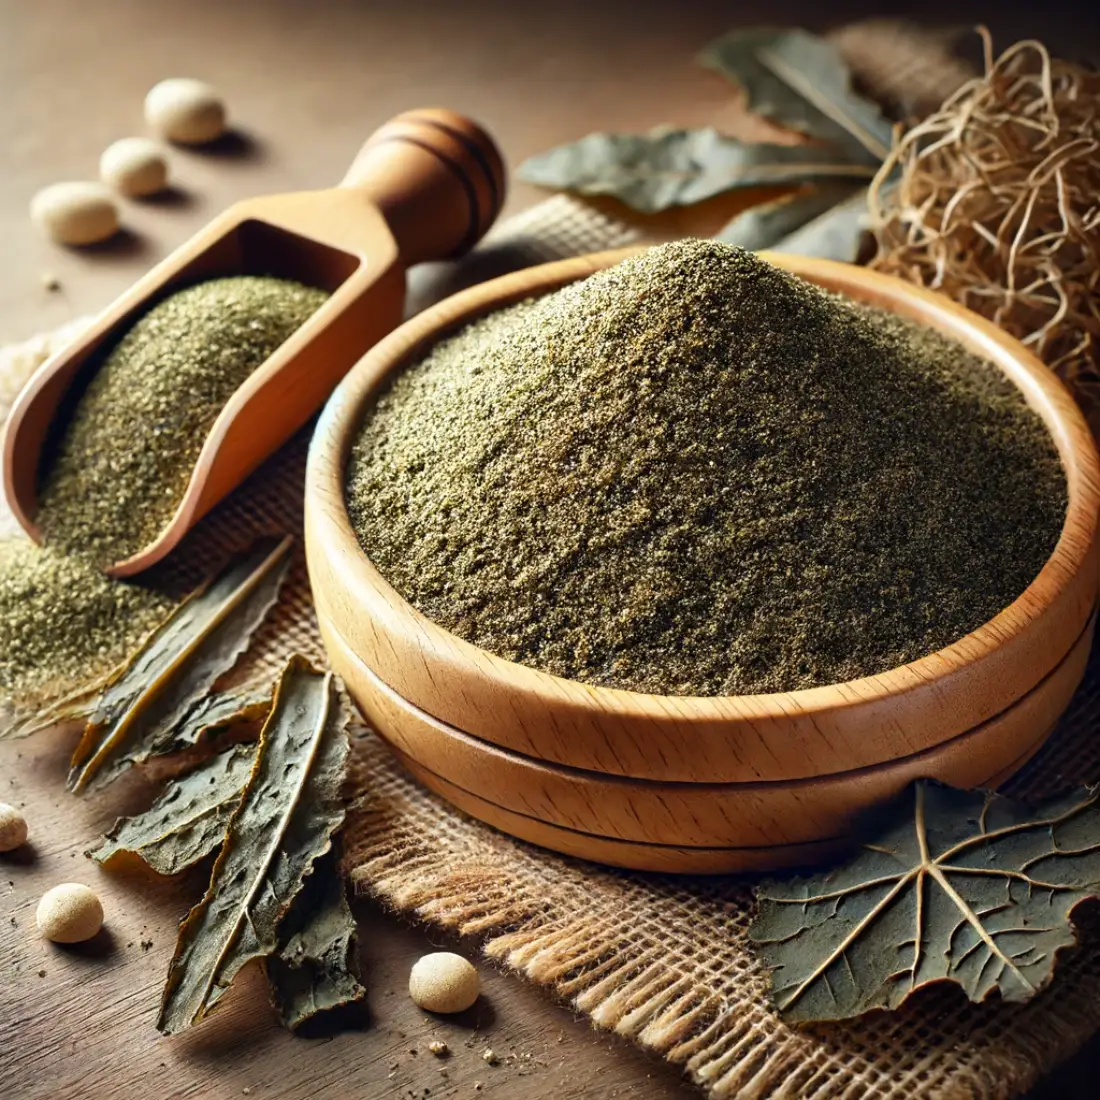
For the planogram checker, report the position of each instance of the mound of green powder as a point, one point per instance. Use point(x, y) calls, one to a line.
point(62, 622)
point(694, 474)
point(119, 464)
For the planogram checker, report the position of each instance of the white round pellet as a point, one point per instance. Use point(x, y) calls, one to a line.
point(184, 110)
point(13, 828)
point(443, 982)
point(79, 212)
point(134, 166)
point(69, 913)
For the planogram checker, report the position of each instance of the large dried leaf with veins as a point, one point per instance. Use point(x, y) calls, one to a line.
point(666, 168)
point(961, 886)
point(290, 808)
point(141, 707)
point(188, 821)
point(799, 80)
point(312, 971)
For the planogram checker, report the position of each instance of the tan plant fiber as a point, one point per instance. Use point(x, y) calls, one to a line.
point(997, 205)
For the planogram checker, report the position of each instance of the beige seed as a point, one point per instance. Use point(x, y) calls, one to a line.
point(188, 111)
point(76, 212)
point(443, 982)
point(69, 913)
point(13, 828)
point(134, 166)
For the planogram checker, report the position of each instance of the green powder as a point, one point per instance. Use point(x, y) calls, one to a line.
point(116, 470)
point(693, 474)
point(119, 469)
point(62, 622)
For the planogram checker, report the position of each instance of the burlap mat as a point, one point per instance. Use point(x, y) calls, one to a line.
point(662, 961)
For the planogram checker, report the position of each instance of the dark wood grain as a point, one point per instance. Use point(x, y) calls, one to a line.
point(306, 83)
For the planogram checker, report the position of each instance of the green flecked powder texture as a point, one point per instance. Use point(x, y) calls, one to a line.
point(694, 474)
point(118, 469)
point(62, 622)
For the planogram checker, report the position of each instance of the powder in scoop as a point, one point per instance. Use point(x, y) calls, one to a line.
point(62, 622)
point(695, 474)
point(121, 463)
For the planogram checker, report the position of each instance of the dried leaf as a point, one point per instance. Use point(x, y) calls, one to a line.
point(78, 706)
point(800, 81)
point(837, 234)
point(963, 886)
point(312, 973)
point(764, 226)
point(201, 639)
point(665, 168)
point(287, 815)
point(214, 714)
point(188, 821)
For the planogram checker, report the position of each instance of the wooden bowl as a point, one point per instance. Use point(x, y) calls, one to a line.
point(744, 739)
point(732, 817)
point(664, 858)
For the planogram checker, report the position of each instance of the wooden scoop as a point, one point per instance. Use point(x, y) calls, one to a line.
point(426, 186)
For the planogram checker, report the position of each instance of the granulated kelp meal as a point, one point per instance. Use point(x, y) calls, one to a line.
point(695, 474)
point(120, 465)
point(115, 471)
point(62, 622)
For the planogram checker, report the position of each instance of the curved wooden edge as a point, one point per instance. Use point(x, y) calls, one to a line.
point(703, 814)
point(789, 735)
point(277, 398)
point(624, 853)
point(36, 403)
point(636, 856)
point(438, 179)
point(282, 393)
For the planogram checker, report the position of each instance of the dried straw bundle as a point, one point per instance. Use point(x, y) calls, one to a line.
point(997, 205)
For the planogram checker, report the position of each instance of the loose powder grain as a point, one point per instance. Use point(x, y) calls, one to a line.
point(62, 622)
point(115, 471)
point(122, 459)
point(694, 474)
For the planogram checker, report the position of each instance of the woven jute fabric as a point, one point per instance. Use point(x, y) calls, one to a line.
point(909, 68)
point(660, 960)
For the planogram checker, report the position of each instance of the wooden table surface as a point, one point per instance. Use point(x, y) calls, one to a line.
point(306, 83)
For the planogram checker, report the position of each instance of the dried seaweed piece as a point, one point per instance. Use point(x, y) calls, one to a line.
point(798, 80)
point(290, 808)
point(201, 639)
point(666, 168)
point(187, 822)
point(835, 234)
point(311, 972)
point(77, 706)
point(217, 713)
point(769, 224)
point(961, 886)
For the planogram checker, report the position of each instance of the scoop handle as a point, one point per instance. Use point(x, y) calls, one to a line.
point(438, 179)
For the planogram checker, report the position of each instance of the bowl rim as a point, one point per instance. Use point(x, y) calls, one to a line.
point(651, 810)
point(328, 525)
